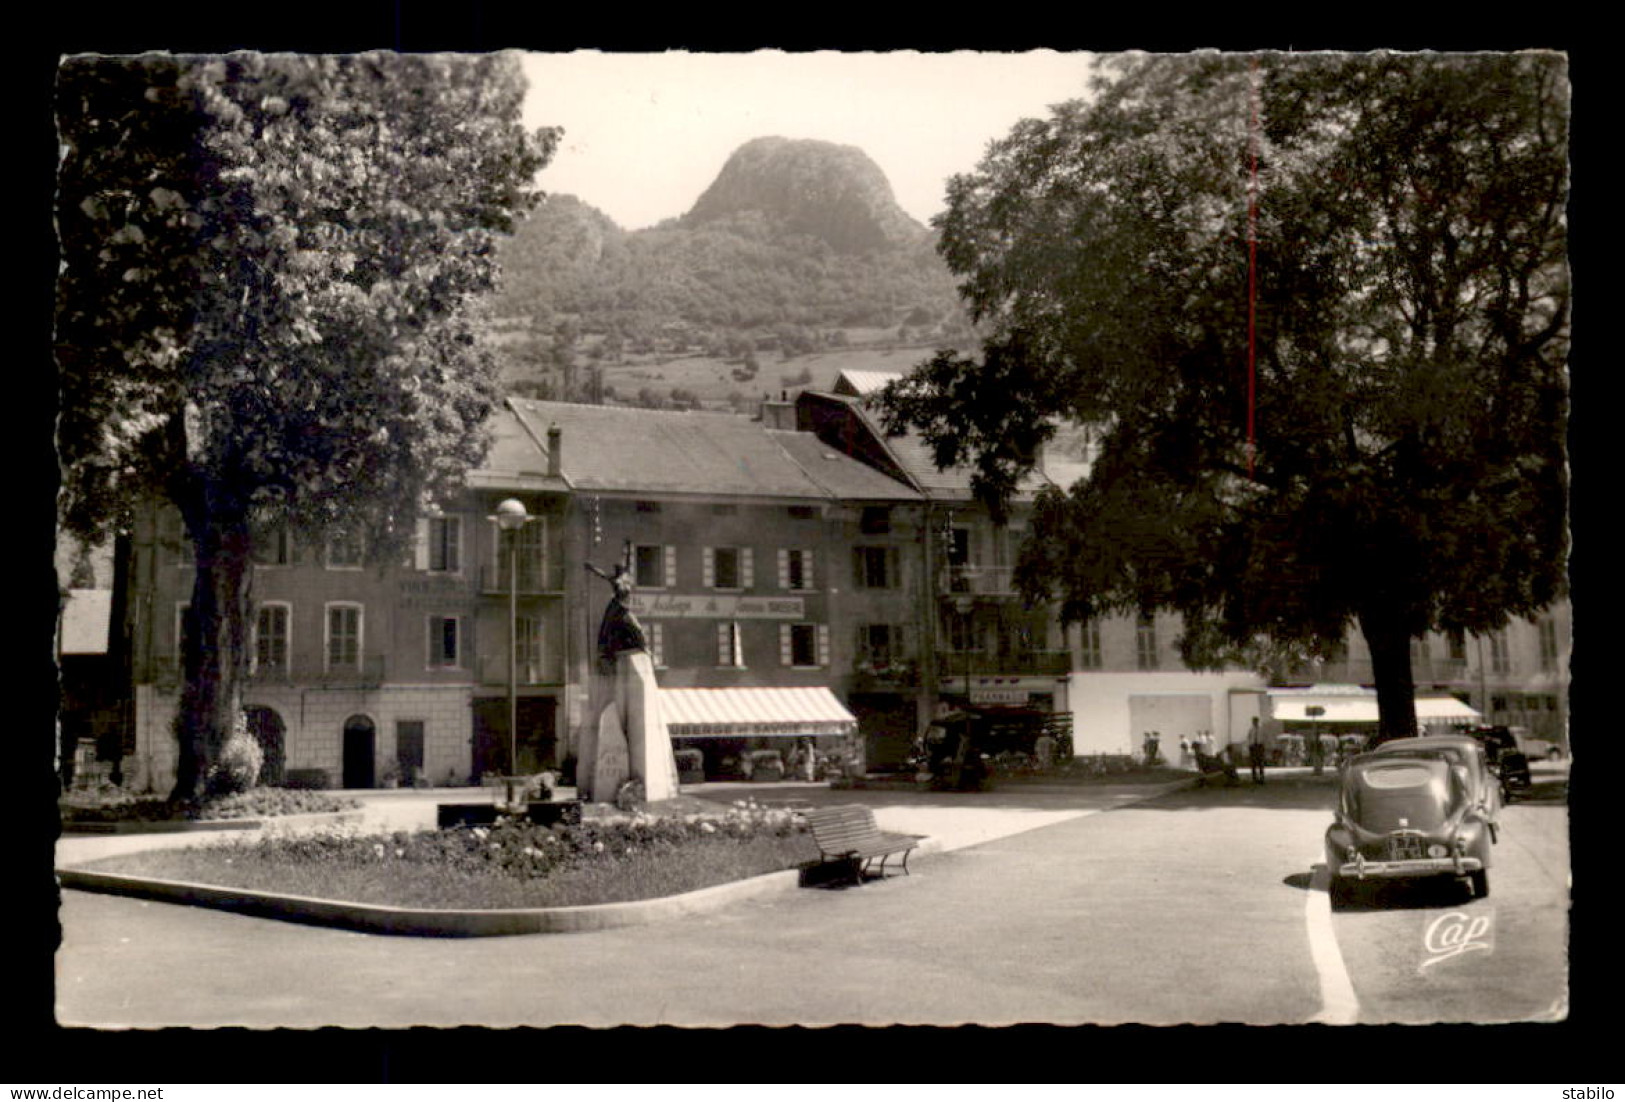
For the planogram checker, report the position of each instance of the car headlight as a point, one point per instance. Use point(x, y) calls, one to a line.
point(1436, 850)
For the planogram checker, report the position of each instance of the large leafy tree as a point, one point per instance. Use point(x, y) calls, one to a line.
point(269, 308)
point(1317, 307)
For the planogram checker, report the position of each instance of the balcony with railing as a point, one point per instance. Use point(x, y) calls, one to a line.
point(492, 669)
point(877, 672)
point(1014, 663)
point(975, 580)
point(535, 578)
point(370, 672)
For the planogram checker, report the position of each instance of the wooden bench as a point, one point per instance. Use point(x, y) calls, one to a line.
point(848, 833)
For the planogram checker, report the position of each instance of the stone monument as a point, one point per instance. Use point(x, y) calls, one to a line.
point(624, 737)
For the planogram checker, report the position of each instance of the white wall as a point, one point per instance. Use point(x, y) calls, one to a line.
point(1104, 708)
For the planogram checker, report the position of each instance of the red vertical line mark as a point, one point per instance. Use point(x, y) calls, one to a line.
point(1252, 268)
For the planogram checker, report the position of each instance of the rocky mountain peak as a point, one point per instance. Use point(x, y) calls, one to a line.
point(834, 192)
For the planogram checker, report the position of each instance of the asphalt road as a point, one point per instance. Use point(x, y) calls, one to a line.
point(1198, 906)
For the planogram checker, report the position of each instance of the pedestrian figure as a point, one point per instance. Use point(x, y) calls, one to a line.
point(1044, 749)
point(1255, 751)
point(1184, 750)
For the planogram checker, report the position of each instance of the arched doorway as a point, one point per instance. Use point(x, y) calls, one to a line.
point(360, 742)
point(267, 728)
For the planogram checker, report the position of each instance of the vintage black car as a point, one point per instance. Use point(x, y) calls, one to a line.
point(1465, 751)
point(1407, 816)
point(1508, 762)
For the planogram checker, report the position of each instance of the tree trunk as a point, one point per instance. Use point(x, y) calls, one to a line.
point(215, 635)
point(1389, 640)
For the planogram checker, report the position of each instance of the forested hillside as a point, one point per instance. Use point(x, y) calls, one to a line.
point(797, 247)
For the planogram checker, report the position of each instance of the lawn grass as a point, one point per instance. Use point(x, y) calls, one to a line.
point(511, 865)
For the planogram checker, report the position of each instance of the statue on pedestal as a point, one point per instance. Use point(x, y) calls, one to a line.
point(625, 737)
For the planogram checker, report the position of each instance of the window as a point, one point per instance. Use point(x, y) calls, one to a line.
point(875, 520)
point(730, 645)
point(1089, 656)
point(1548, 644)
point(528, 649)
point(648, 506)
point(445, 544)
point(795, 568)
point(1421, 650)
point(343, 630)
point(271, 638)
point(271, 546)
point(1145, 643)
point(959, 546)
point(345, 551)
point(654, 566)
point(1500, 660)
point(1456, 647)
point(444, 642)
point(802, 512)
point(804, 645)
point(962, 633)
point(728, 568)
point(874, 567)
point(881, 644)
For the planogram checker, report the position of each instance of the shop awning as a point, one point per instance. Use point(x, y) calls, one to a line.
point(746, 713)
point(1354, 704)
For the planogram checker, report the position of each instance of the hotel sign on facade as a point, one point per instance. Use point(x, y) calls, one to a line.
point(716, 606)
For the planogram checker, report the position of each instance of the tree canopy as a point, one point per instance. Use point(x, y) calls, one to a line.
point(269, 309)
point(1318, 307)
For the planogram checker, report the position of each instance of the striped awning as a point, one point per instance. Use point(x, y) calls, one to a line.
point(742, 713)
point(1359, 705)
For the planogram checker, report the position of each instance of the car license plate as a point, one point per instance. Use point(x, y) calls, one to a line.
point(1406, 849)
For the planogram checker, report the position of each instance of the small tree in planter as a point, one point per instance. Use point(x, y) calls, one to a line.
point(690, 766)
point(766, 765)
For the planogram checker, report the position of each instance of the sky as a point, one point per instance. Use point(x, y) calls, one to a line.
point(645, 134)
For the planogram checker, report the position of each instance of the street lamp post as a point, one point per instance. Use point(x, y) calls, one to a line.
point(511, 518)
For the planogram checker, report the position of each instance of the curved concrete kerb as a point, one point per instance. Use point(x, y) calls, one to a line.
point(432, 922)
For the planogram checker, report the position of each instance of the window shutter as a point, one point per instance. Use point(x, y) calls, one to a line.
point(671, 566)
point(894, 578)
point(784, 568)
point(786, 654)
point(708, 576)
point(747, 568)
point(454, 541)
point(657, 643)
point(807, 569)
point(857, 568)
point(497, 573)
point(724, 644)
point(431, 657)
point(823, 644)
point(420, 547)
point(904, 635)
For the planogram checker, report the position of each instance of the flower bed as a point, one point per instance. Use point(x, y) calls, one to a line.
point(114, 805)
point(512, 864)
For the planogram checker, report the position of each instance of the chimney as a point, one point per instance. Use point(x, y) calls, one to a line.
point(779, 415)
point(554, 436)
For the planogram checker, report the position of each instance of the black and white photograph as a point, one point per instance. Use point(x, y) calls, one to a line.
point(827, 538)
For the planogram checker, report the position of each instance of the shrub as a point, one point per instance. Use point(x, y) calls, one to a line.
point(238, 767)
point(631, 795)
point(305, 778)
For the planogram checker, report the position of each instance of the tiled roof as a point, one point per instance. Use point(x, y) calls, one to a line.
point(865, 383)
point(842, 476)
point(619, 448)
point(914, 455)
point(516, 459)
